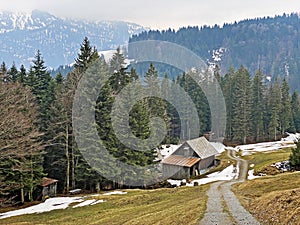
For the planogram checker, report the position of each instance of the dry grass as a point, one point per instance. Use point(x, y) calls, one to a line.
point(184, 205)
point(262, 161)
point(272, 200)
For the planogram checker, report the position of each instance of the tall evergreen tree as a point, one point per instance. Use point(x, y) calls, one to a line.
point(286, 123)
point(228, 86)
point(242, 102)
point(258, 106)
point(21, 77)
point(274, 109)
point(40, 81)
point(86, 56)
point(296, 111)
point(12, 73)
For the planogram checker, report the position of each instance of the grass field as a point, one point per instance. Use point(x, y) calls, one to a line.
point(273, 200)
point(185, 205)
point(263, 160)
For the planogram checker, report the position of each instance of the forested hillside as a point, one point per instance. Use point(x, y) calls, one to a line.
point(37, 136)
point(269, 44)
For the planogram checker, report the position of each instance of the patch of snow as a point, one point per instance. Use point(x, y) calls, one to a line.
point(167, 151)
point(228, 173)
point(116, 193)
point(251, 175)
point(49, 205)
point(291, 137)
point(85, 203)
point(97, 202)
point(95, 195)
point(264, 147)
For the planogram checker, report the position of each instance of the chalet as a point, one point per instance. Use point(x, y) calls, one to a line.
point(192, 158)
point(49, 187)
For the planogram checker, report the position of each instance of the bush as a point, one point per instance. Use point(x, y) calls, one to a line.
point(295, 157)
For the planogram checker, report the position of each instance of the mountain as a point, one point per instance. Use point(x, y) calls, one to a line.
point(271, 44)
point(58, 39)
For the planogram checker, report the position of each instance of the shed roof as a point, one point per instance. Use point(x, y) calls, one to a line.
point(179, 160)
point(202, 147)
point(47, 181)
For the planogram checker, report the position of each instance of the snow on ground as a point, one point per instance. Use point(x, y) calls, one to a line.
point(116, 193)
point(264, 147)
point(85, 203)
point(168, 150)
point(97, 202)
point(58, 203)
point(251, 175)
point(291, 137)
point(228, 173)
point(49, 205)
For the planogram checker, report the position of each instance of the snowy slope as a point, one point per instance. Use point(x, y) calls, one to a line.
point(58, 39)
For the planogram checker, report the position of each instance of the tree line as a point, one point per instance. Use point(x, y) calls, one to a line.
point(37, 137)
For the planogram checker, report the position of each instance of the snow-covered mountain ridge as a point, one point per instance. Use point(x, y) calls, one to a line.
point(58, 39)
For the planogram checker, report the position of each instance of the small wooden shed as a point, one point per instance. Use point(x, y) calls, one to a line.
point(49, 186)
point(192, 158)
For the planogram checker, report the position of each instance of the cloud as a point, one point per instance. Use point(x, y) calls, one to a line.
point(158, 13)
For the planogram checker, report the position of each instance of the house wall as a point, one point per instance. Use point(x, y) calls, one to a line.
point(176, 172)
point(205, 163)
point(50, 190)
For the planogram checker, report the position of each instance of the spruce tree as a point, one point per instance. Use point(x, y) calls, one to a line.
point(12, 73)
point(296, 111)
point(228, 86)
point(286, 123)
point(274, 109)
point(86, 56)
point(40, 81)
point(258, 104)
point(242, 102)
point(21, 77)
point(295, 157)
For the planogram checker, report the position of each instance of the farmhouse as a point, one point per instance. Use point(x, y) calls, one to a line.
point(192, 158)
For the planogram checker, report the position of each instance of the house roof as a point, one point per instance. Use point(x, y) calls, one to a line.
point(202, 147)
point(47, 181)
point(179, 160)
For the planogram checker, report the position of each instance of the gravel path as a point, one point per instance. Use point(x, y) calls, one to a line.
point(223, 207)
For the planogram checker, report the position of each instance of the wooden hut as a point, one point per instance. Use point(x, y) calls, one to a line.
point(49, 187)
point(192, 158)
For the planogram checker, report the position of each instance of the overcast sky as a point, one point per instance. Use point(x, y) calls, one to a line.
point(158, 14)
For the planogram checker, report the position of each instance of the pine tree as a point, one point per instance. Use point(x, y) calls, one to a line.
point(86, 56)
point(12, 73)
point(242, 102)
point(274, 109)
point(3, 72)
point(295, 157)
point(258, 104)
point(286, 123)
point(42, 86)
point(228, 86)
point(296, 111)
point(21, 77)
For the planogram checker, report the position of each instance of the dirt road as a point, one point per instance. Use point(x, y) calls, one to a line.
point(223, 207)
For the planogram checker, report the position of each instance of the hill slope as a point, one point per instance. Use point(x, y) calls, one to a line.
point(21, 35)
point(271, 44)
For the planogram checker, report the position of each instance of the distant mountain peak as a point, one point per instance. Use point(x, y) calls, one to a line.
point(58, 39)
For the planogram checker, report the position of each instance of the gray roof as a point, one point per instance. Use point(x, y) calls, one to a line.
point(202, 147)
